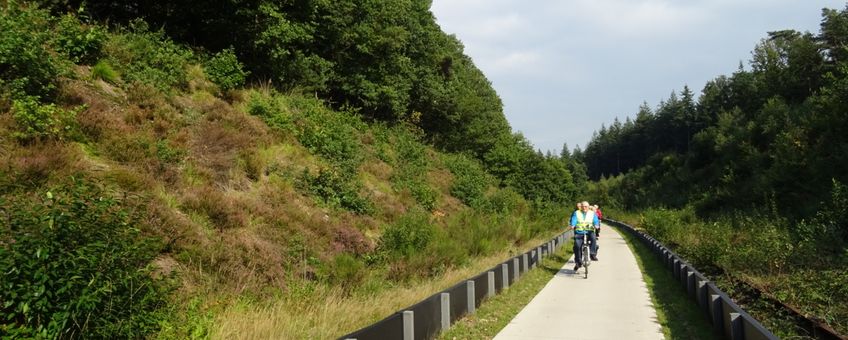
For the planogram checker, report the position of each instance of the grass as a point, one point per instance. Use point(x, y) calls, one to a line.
point(495, 313)
point(678, 315)
point(316, 311)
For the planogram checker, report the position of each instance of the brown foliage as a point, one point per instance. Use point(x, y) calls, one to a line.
point(350, 240)
point(225, 211)
point(101, 115)
point(36, 163)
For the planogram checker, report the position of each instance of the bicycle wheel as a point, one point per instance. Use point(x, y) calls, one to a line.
point(586, 262)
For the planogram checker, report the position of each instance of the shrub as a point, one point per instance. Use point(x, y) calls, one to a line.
point(148, 57)
point(36, 121)
point(504, 201)
point(409, 235)
point(826, 232)
point(27, 66)
point(225, 70)
point(470, 180)
point(411, 167)
point(81, 43)
point(424, 194)
point(336, 190)
point(75, 265)
point(344, 270)
point(332, 135)
point(271, 110)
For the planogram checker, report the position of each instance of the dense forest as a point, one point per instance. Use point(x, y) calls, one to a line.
point(207, 169)
point(774, 132)
point(749, 177)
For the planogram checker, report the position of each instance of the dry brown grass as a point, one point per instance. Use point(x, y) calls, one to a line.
point(104, 104)
point(224, 209)
point(40, 163)
point(327, 313)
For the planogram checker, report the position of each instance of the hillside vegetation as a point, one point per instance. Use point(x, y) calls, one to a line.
point(748, 181)
point(274, 172)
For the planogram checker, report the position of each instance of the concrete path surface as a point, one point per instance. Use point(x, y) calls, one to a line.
point(613, 303)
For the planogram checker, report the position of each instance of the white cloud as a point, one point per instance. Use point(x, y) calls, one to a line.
point(555, 62)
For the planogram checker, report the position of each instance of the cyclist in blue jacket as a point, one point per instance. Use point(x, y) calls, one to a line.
point(584, 222)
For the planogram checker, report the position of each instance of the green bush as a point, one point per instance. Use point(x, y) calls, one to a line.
point(75, 266)
point(27, 66)
point(271, 109)
point(81, 43)
point(344, 270)
point(409, 235)
point(336, 190)
point(826, 232)
point(330, 134)
point(225, 70)
point(148, 57)
point(424, 194)
point(504, 201)
point(411, 166)
point(36, 121)
point(470, 180)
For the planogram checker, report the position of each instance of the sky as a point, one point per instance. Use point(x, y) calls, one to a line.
point(565, 67)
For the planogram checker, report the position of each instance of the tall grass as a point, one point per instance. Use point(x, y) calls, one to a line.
point(325, 312)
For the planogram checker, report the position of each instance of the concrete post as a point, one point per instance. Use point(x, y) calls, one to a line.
point(676, 269)
point(515, 269)
point(690, 283)
point(445, 298)
point(505, 275)
point(703, 295)
point(737, 329)
point(491, 289)
point(408, 325)
point(472, 297)
point(524, 262)
point(718, 320)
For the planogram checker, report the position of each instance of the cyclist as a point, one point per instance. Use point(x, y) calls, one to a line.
point(583, 222)
point(600, 214)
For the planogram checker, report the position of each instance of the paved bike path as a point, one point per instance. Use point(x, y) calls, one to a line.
point(613, 303)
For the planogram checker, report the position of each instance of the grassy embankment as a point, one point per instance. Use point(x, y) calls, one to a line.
point(771, 259)
point(242, 206)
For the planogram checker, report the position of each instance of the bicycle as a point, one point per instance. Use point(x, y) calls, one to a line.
point(586, 256)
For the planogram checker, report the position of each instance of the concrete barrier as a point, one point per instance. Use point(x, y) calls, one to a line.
point(425, 319)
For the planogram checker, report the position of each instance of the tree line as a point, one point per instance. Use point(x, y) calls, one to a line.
point(773, 134)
